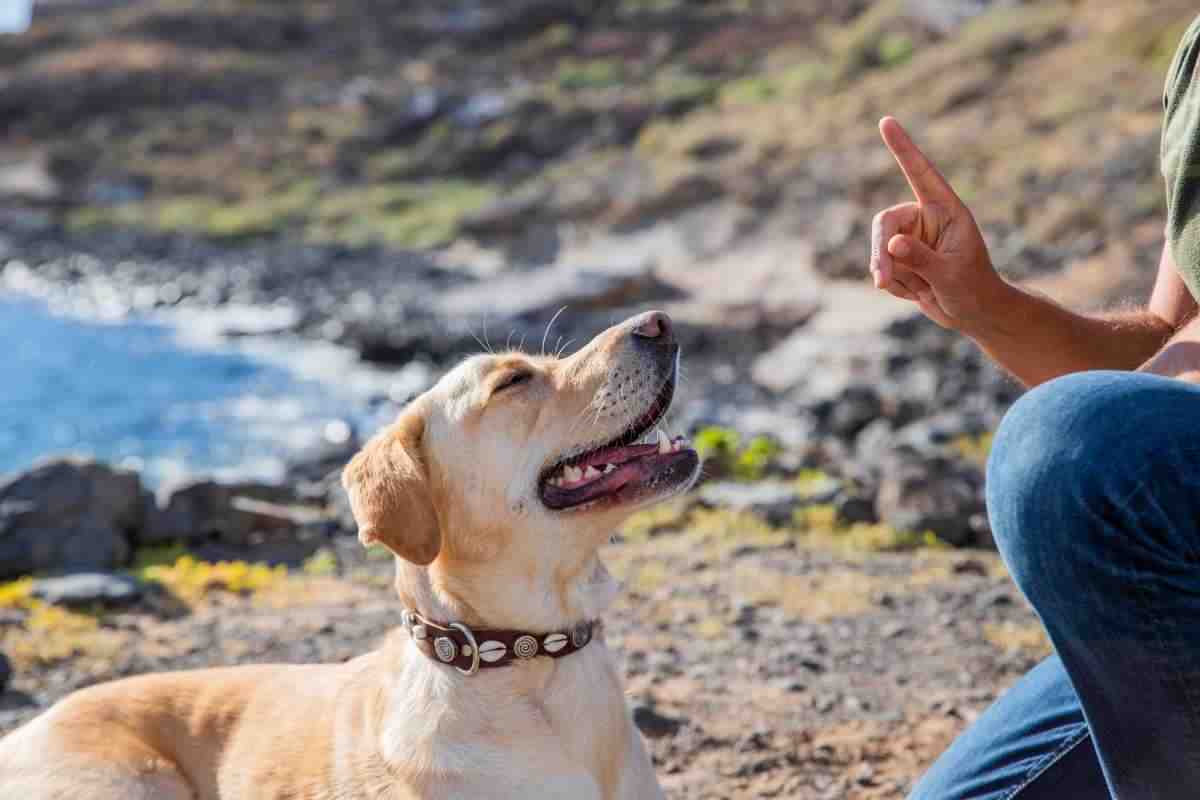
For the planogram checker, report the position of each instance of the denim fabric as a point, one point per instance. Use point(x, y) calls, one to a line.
point(1094, 499)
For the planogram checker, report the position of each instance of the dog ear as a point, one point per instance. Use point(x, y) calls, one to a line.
point(388, 485)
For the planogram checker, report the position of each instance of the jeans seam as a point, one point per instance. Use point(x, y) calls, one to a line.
point(1050, 760)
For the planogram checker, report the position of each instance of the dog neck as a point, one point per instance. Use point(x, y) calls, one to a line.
point(479, 595)
point(538, 606)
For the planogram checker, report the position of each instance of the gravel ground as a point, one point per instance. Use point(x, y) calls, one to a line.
point(759, 663)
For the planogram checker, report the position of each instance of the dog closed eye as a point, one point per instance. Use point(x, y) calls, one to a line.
point(512, 380)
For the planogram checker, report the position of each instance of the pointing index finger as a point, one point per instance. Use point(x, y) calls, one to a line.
point(923, 177)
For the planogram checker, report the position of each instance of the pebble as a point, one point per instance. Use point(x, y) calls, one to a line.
point(85, 589)
point(654, 724)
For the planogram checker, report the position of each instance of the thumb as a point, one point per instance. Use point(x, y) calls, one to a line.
point(913, 253)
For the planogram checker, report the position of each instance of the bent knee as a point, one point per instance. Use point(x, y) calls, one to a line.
point(1072, 446)
point(1051, 436)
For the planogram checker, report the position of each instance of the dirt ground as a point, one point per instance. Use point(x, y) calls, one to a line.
point(761, 662)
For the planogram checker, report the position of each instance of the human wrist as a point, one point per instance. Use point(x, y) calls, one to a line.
point(1001, 308)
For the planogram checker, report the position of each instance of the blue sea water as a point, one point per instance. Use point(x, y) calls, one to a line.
point(134, 393)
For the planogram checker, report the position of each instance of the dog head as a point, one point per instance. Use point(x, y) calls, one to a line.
point(523, 465)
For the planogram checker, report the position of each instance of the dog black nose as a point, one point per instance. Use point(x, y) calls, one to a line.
point(653, 325)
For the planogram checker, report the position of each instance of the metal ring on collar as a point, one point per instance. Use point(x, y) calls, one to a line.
point(474, 648)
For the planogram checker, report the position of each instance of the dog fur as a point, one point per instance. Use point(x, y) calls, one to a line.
point(451, 488)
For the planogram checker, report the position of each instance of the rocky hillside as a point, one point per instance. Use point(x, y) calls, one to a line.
point(414, 181)
point(520, 125)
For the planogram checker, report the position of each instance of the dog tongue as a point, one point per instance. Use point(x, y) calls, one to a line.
point(634, 469)
point(617, 455)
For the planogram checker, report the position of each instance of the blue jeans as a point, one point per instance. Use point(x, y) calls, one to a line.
point(1094, 497)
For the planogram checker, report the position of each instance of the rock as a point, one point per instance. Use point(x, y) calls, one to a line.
point(494, 22)
point(853, 409)
point(947, 16)
point(931, 433)
point(208, 510)
point(996, 597)
point(653, 724)
point(938, 494)
point(642, 205)
point(774, 501)
point(853, 508)
point(69, 513)
point(838, 235)
point(875, 439)
point(85, 589)
point(505, 215)
point(482, 108)
point(538, 294)
point(402, 120)
point(28, 181)
point(823, 365)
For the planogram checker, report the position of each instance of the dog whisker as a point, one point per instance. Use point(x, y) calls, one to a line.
point(563, 349)
point(550, 325)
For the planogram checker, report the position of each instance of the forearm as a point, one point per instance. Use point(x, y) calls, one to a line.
point(1037, 340)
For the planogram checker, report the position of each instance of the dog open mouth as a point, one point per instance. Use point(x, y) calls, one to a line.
point(640, 463)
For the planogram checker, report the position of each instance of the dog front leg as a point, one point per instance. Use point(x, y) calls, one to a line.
point(638, 781)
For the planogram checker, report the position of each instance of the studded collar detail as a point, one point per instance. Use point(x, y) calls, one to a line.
point(468, 651)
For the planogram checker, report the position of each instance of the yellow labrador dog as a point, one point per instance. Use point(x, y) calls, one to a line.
point(495, 491)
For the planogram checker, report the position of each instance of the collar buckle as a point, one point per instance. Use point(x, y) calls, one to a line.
point(471, 670)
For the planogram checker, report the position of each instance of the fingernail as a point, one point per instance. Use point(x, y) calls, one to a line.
point(899, 248)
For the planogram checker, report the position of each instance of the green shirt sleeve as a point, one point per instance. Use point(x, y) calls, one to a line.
point(1181, 158)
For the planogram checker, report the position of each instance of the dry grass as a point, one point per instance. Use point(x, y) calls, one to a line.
point(816, 598)
point(1010, 636)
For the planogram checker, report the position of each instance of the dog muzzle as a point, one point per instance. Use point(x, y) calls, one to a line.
point(468, 651)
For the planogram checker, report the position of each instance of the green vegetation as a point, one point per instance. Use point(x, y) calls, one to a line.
point(599, 73)
point(722, 448)
point(413, 215)
point(322, 563)
point(776, 84)
point(894, 49)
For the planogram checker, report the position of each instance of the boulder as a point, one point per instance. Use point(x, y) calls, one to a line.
point(936, 494)
point(68, 514)
point(855, 507)
point(206, 510)
point(774, 501)
point(87, 589)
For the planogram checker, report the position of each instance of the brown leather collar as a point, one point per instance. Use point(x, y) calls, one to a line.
point(468, 651)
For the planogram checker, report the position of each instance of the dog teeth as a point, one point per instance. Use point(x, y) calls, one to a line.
point(572, 474)
point(591, 473)
point(609, 468)
point(664, 442)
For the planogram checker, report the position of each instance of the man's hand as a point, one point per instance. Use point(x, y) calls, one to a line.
point(931, 252)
